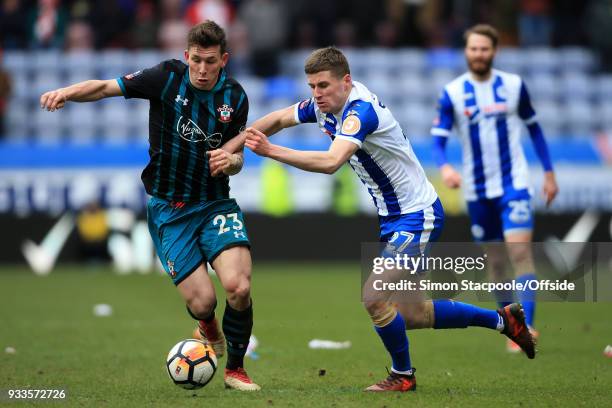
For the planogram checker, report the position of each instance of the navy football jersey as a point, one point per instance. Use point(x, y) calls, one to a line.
point(184, 123)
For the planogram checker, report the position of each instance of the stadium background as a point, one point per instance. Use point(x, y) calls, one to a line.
point(74, 175)
point(405, 51)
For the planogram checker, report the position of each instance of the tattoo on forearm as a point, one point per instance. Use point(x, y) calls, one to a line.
point(236, 162)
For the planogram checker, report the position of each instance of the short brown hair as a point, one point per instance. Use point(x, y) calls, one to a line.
point(206, 34)
point(483, 29)
point(327, 59)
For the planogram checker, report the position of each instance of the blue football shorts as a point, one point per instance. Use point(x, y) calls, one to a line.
point(493, 218)
point(187, 234)
point(411, 233)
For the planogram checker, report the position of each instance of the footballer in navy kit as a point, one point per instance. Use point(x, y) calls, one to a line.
point(364, 133)
point(195, 107)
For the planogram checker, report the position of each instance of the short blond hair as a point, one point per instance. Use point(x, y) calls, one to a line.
point(327, 59)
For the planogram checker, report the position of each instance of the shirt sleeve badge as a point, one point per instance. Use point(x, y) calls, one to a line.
point(351, 125)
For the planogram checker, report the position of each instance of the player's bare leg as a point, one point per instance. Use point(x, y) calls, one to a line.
point(417, 315)
point(509, 320)
point(390, 326)
point(199, 293)
point(388, 313)
point(497, 259)
point(518, 245)
point(233, 267)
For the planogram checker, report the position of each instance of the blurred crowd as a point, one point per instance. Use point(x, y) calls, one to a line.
point(260, 31)
point(275, 24)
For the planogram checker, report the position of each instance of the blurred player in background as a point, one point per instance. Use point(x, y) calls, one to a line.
point(365, 133)
point(5, 94)
point(487, 107)
point(195, 108)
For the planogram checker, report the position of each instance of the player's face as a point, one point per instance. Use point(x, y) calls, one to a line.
point(479, 53)
point(330, 92)
point(205, 63)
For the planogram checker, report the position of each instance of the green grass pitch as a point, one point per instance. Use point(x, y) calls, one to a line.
point(119, 361)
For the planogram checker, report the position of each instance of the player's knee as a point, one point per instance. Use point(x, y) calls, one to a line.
point(418, 315)
point(201, 307)
point(372, 307)
point(238, 287)
point(243, 291)
point(381, 313)
point(520, 254)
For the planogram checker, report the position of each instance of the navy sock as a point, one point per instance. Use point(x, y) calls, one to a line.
point(449, 314)
point(395, 340)
point(237, 326)
point(527, 298)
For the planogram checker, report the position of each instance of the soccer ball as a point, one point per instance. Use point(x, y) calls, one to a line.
point(191, 364)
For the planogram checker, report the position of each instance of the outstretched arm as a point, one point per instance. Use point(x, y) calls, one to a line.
point(86, 91)
point(319, 162)
point(270, 124)
point(229, 158)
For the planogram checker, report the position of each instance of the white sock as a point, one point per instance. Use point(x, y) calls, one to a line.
point(500, 323)
point(409, 372)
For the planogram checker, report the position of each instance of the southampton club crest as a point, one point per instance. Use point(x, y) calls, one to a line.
point(171, 268)
point(225, 113)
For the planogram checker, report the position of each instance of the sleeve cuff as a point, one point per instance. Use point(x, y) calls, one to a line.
point(296, 115)
point(350, 139)
point(122, 86)
point(440, 132)
point(531, 120)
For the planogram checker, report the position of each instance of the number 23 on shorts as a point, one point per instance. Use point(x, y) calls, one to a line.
point(230, 219)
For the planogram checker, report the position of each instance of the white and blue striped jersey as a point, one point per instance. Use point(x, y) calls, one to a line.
point(385, 161)
point(488, 117)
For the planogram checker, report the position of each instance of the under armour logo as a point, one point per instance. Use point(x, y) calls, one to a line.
point(180, 99)
point(239, 234)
